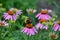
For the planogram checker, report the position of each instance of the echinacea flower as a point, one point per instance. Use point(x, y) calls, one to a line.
point(56, 26)
point(18, 12)
point(31, 10)
point(29, 29)
point(12, 14)
point(3, 23)
point(40, 24)
point(43, 15)
point(53, 35)
point(9, 15)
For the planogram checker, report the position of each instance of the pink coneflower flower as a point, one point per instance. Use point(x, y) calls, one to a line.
point(9, 15)
point(3, 23)
point(56, 26)
point(41, 26)
point(43, 15)
point(29, 29)
point(18, 12)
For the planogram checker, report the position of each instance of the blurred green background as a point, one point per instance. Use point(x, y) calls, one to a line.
point(38, 4)
point(23, 5)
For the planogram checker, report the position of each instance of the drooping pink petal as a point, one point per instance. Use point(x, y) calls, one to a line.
point(8, 17)
point(34, 29)
point(14, 17)
point(48, 17)
point(28, 32)
point(25, 30)
point(39, 26)
point(45, 27)
point(43, 16)
point(31, 32)
point(55, 27)
point(59, 28)
point(38, 15)
point(5, 15)
point(18, 12)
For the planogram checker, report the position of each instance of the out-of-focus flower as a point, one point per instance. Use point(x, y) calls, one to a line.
point(43, 15)
point(9, 15)
point(40, 24)
point(31, 10)
point(3, 23)
point(56, 26)
point(49, 11)
point(18, 12)
point(53, 35)
point(29, 29)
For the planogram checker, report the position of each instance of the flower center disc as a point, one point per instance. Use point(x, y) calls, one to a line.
point(10, 12)
point(53, 36)
point(30, 10)
point(58, 22)
point(29, 25)
point(42, 20)
point(1, 24)
point(44, 11)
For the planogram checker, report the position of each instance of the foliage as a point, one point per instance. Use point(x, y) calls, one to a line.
point(13, 32)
